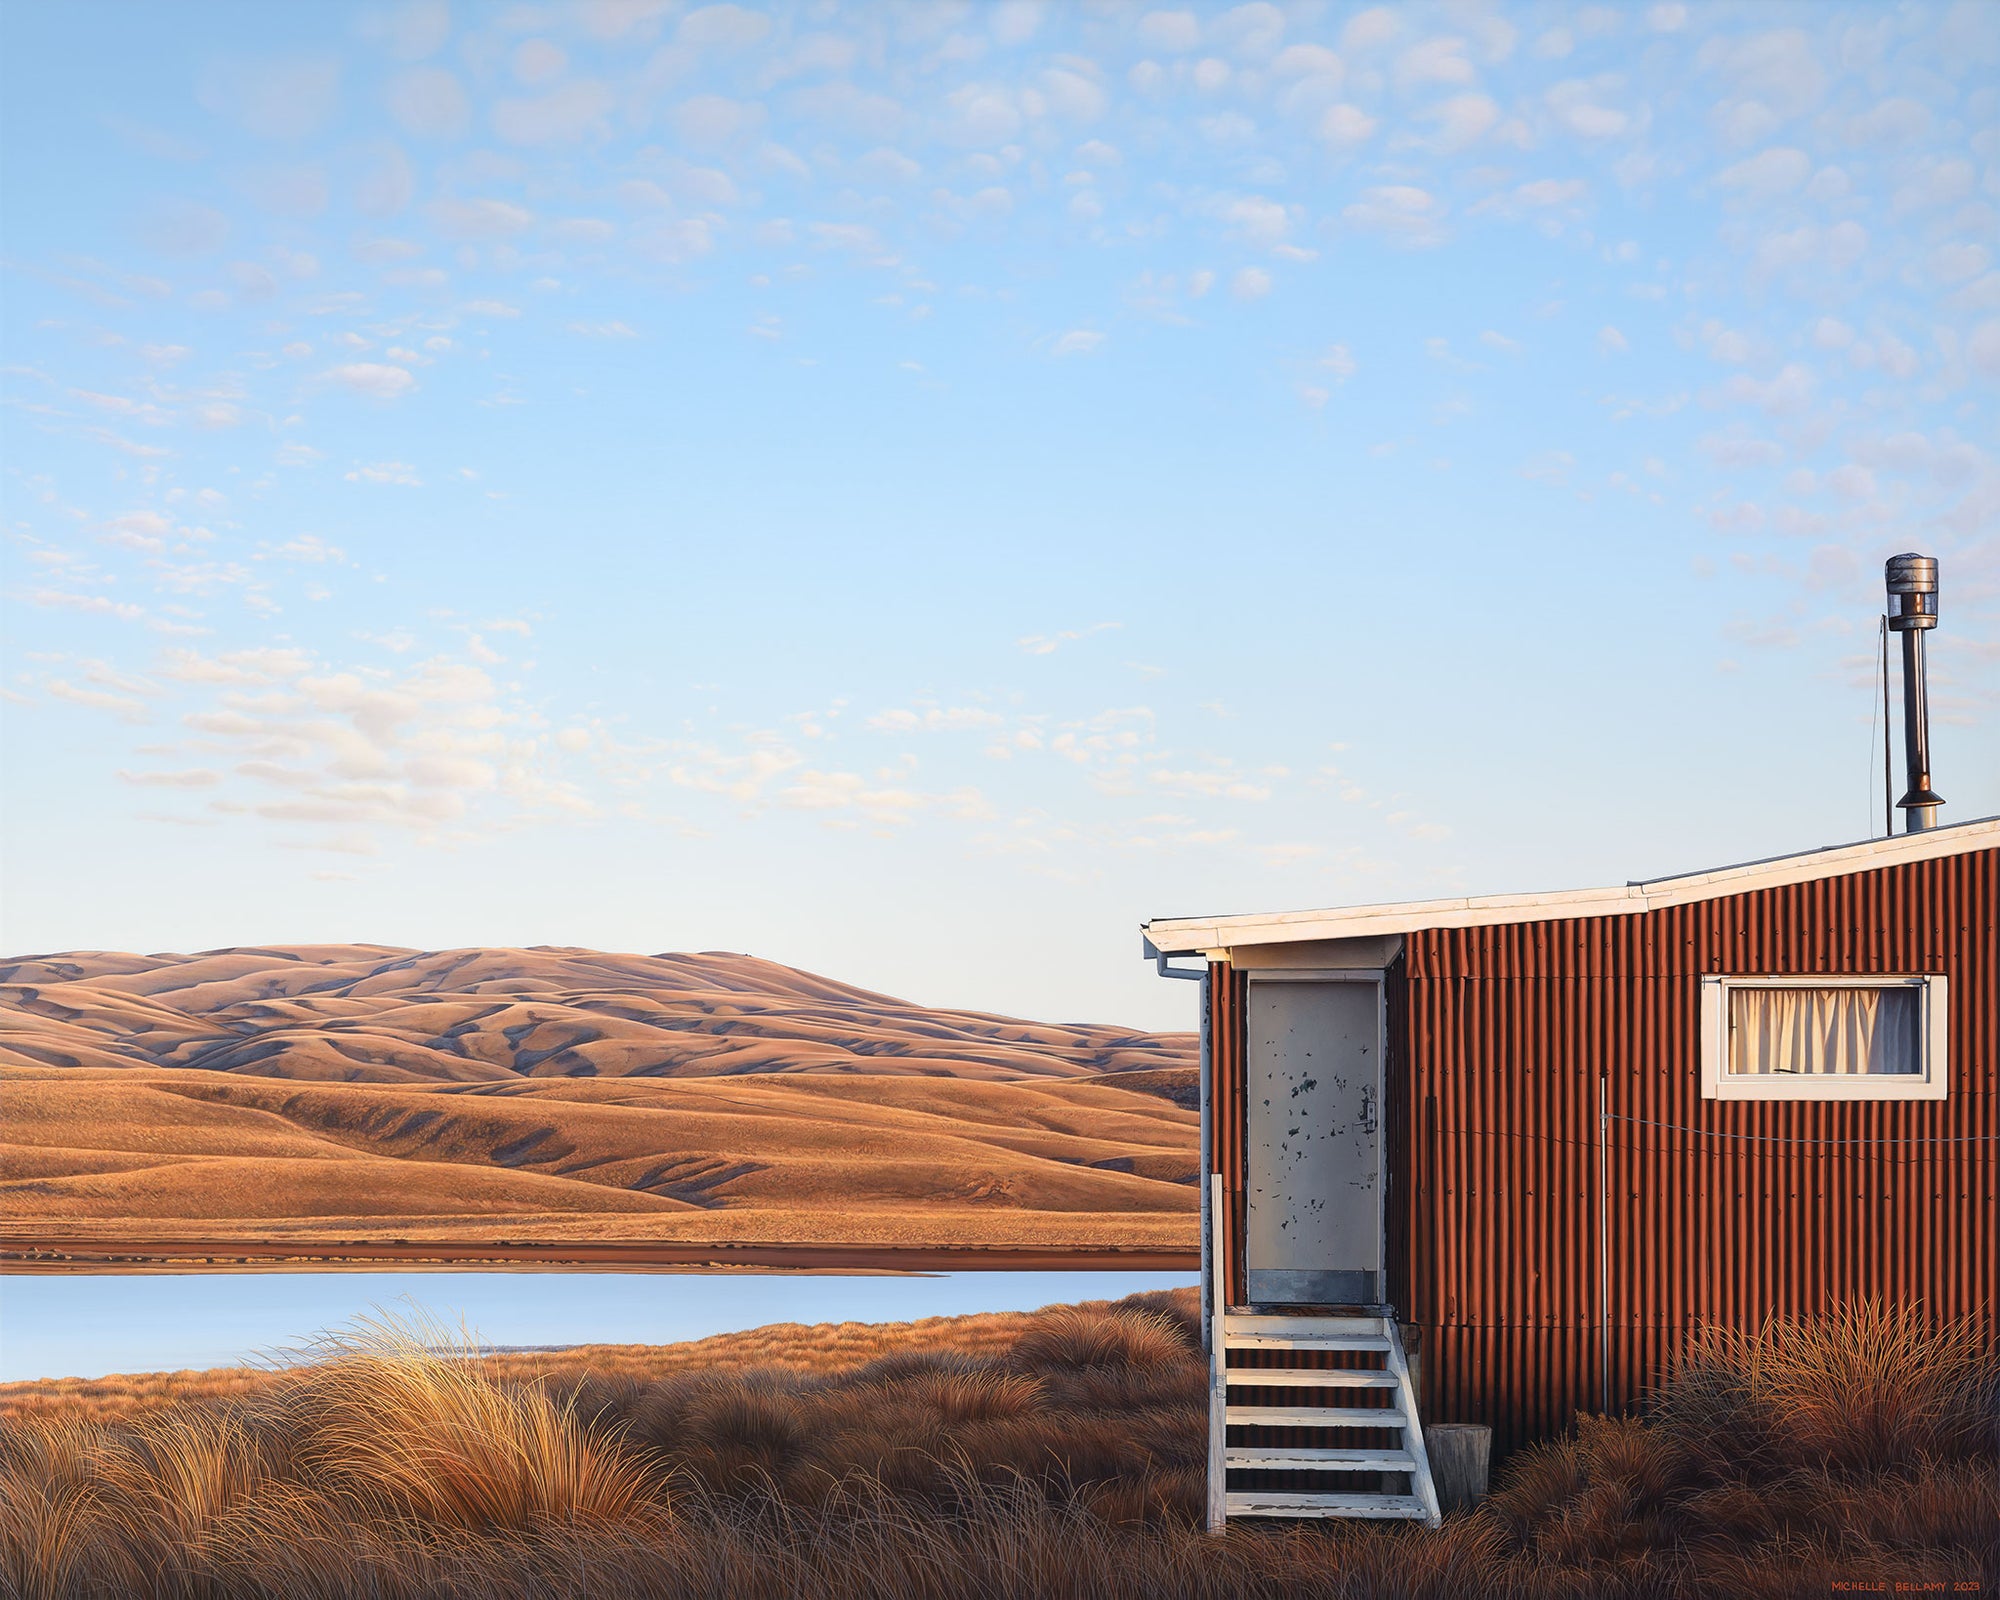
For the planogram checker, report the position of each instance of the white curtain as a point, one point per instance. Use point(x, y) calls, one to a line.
point(1823, 1030)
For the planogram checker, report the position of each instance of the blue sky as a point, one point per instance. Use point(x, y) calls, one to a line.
point(913, 492)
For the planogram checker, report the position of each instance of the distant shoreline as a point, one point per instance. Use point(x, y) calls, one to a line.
point(19, 1255)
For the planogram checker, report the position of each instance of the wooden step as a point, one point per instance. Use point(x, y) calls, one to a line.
point(1234, 1340)
point(1312, 1378)
point(1290, 1503)
point(1301, 1458)
point(1313, 1328)
point(1314, 1417)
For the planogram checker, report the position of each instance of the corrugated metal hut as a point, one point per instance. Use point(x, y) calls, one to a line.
point(1537, 1140)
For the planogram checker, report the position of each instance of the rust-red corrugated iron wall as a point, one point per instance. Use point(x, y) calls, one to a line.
point(1228, 991)
point(1721, 1211)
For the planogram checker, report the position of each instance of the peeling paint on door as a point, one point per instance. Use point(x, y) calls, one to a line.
point(1314, 1179)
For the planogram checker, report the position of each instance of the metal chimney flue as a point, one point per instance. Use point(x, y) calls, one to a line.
point(1913, 612)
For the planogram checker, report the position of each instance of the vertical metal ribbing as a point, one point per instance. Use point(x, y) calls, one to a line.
point(1603, 1252)
point(1209, 1330)
point(1511, 1028)
point(1225, 1001)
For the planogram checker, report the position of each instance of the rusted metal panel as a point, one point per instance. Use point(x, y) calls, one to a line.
point(1722, 1211)
point(1550, 1269)
point(1227, 995)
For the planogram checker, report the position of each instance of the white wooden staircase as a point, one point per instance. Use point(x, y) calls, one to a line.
point(1310, 1397)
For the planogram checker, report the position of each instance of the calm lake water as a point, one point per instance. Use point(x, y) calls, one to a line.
point(86, 1327)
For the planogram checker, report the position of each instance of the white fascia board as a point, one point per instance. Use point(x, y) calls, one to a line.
point(1191, 935)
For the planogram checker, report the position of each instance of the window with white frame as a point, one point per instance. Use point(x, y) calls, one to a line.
point(1815, 1037)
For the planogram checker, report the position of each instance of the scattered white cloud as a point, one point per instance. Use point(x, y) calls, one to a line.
point(139, 530)
point(724, 27)
point(1461, 122)
point(281, 99)
point(69, 600)
point(536, 61)
point(126, 707)
point(1892, 124)
point(482, 219)
point(1552, 467)
point(935, 719)
point(429, 103)
point(580, 109)
point(186, 778)
point(1221, 782)
point(375, 379)
point(1435, 61)
point(1370, 30)
point(385, 472)
point(1769, 173)
point(1786, 392)
point(1403, 212)
point(1345, 126)
point(1983, 349)
point(1044, 644)
point(1174, 33)
point(1587, 107)
point(311, 549)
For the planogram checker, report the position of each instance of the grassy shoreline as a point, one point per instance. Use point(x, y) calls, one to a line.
point(1057, 1453)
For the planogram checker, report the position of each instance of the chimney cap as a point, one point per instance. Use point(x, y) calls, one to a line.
point(1911, 574)
point(1913, 592)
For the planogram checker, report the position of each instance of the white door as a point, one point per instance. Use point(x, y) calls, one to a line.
point(1313, 1214)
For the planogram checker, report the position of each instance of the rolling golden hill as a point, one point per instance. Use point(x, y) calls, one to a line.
point(359, 1092)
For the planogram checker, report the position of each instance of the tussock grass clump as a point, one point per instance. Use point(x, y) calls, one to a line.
point(1131, 1341)
point(1865, 1387)
point(1063, 1462)
point(1775, 1461)
point(385, 1421)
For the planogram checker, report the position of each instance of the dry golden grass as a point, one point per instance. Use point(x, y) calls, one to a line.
point(795, 1346)
point(359, 1093)
point(1054, 1455)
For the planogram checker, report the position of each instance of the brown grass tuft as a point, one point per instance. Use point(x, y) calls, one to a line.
point(1867, 1386)
point(1858, 1445)
point(742, 1434)
point(1073, 1336)
point(395, 1418)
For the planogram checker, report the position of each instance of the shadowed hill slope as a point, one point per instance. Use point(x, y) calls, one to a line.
point(360, 1091)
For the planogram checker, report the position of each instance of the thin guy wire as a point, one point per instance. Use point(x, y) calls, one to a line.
point(1557, 1138)
point(1771, 1138)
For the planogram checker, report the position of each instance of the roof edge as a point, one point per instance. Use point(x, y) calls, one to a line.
point(1176, 936)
